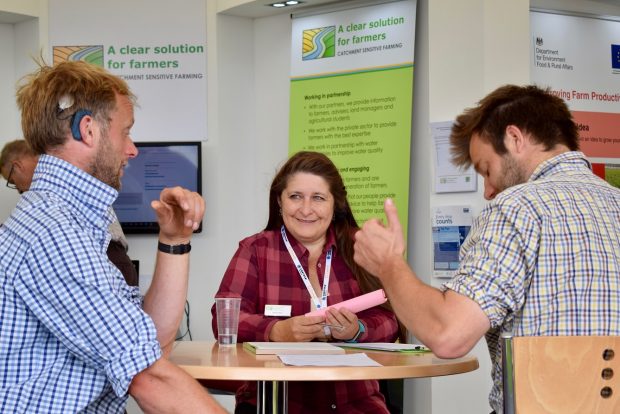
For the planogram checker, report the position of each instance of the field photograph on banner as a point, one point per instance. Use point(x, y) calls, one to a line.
point(351, 99)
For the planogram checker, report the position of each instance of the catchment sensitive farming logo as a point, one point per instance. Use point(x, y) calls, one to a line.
point(91, 54)
point(319, 43)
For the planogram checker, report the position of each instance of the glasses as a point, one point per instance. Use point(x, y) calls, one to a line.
point(8, 179)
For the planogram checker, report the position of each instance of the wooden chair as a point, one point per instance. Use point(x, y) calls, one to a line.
point(561, 374)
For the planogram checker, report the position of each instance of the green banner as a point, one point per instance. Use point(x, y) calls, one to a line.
point(351, 99)
point(362, 121)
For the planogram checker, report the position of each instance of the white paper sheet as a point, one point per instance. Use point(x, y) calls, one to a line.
point(448, 177)
point(345, 360)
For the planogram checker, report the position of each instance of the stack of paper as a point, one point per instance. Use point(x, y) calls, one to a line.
point(288, 348)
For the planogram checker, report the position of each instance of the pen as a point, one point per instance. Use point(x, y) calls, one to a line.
point(338, 327)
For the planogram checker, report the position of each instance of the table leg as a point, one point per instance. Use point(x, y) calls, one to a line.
point(284, 392)
point(272, 397)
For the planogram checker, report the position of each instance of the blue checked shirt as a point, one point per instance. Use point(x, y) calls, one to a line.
point(543, 258)
point(72, 333)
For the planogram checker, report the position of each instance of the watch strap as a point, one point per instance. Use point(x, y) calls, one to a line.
point(360, 331)
point(174, 248)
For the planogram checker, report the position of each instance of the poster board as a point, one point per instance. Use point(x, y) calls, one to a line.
point(351, 98)
point(578, 58)
point(158, 47)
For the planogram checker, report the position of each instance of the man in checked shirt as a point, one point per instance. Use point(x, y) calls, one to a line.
point(75, 336)
point(542, 257)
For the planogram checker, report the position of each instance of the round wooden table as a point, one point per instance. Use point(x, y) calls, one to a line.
point(206, 360)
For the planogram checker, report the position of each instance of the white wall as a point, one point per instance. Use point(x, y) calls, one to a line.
point(25, 7)
point(464, 50)
point(19, 44)
point(9, 129)
point(8, 115)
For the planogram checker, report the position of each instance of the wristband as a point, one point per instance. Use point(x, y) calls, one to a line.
point(174, 249)
point(360, 331)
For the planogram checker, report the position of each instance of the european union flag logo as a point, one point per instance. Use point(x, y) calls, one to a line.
point(615, 56)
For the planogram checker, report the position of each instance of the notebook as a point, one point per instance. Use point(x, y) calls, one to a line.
point(290, 348)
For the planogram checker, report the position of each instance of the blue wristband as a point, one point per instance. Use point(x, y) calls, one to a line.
point(360, 331)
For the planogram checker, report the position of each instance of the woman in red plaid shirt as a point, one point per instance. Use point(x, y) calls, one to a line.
point(311, 224)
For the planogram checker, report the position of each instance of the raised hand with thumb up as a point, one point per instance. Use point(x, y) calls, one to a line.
point(377, 246)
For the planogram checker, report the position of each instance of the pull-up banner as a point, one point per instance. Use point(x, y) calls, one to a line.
point(579, 59)
point(351, 98)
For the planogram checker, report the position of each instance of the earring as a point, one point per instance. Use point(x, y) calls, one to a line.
point(280, 212)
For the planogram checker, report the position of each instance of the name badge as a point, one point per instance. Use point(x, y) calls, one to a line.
point(277, 310)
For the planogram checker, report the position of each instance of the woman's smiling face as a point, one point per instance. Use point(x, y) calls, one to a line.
point(307, 207)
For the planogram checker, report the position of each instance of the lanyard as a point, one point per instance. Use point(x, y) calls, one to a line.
point(328, 264)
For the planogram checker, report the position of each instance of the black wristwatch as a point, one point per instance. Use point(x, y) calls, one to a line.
point(174, 249)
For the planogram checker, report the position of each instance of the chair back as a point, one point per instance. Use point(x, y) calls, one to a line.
point(561, 374)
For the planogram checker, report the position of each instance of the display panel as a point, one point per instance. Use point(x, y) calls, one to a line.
point(157, 166)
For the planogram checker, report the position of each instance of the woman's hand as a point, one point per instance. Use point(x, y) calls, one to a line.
point(344, 318)
point(298, 329)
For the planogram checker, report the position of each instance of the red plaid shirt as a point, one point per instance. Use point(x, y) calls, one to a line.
point(263, 273)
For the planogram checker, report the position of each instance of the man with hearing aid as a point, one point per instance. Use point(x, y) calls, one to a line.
point(75, 336)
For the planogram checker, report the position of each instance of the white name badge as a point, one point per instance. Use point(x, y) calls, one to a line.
point(277, 310)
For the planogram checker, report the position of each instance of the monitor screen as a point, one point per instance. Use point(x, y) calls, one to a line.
point(158, 165)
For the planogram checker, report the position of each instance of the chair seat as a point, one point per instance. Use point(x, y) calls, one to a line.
point(566, 374)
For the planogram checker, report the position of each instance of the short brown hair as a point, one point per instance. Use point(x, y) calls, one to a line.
point(14, 150)
point(530, 108)
point(45, 122)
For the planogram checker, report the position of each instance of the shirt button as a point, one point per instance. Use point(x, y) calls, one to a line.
point(319, 265)
point(333, 406)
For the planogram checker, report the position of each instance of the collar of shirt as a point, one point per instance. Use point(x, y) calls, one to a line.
point(300, 250)
point(565, 161)
point(88, 195)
